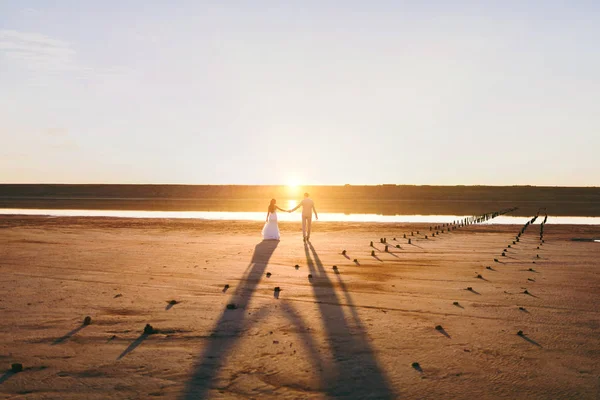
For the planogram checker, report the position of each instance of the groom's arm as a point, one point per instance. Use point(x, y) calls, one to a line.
point(315, 211)
point(297, 207)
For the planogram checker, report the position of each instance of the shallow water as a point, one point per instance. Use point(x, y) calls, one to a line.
point(260, 216)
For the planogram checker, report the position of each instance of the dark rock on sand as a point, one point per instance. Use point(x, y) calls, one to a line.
point(149, 330)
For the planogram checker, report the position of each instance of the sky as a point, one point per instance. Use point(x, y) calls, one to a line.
point(305, 92)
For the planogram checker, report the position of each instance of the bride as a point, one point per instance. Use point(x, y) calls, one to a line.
point(271, 230)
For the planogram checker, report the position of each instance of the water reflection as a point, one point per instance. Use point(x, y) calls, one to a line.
point(259, 216)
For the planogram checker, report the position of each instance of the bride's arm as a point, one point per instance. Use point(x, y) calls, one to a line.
point(279, 208)
point(267, 220)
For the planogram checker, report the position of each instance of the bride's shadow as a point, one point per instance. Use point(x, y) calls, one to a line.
point(227, 329)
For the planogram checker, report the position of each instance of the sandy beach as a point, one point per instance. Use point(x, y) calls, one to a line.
point(357, 331)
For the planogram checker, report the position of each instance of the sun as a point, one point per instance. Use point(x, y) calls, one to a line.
point(293, 187)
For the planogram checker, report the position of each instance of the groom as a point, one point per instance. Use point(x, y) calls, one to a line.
point(308, 206)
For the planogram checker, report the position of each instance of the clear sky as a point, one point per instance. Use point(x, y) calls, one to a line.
point(309, 92)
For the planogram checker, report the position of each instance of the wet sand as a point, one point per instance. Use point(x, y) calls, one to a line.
point(350, 333)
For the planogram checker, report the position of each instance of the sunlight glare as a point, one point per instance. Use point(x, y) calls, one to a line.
point(293, 187)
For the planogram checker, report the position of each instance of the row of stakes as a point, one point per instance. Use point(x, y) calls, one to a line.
point(517, 239)
point(447, 227)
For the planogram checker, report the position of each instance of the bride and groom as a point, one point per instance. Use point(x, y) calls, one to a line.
point(271, 229)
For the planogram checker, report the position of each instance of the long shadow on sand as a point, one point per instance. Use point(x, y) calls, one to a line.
point(133, 345)
point(5, 376)
point(227, 329)
point(355, 372)
point(68, 335)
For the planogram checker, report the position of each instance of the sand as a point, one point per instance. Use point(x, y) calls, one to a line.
point(354, 333)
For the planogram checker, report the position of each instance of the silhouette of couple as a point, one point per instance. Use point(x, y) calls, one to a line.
point(271, 229)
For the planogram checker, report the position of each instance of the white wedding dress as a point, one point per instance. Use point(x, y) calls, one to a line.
point(271, 230)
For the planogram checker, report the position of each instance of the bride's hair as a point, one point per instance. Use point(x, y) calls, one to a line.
point(272, 205)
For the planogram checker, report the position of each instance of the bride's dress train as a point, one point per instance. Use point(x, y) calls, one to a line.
point(271, 230)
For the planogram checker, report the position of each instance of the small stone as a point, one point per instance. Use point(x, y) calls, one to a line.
point(343, 252)
point(149, 330)
point(335, 267)
point(525, 291)
point(426, 237)
point(387, 249)
point(416, 365)
point(479, 276)
point(531, 269)
point(373, 253)
point(397, 246)
point(470, 288)
point(87, 320)
point(488, 267)
point(231, 306)
point(277, 289)
point(268, 274)
point(309, 276)
point(409, 242)
point(520, 333)
point(503, 255)
point(227, 286)
point(439, 328)
point(371, 244)
point(16, 367)
point(455, 303)
point(173, 302)
point(522, 308)
point(296, 266)
point(356, 260)
point(496, 260)
point(509, 246)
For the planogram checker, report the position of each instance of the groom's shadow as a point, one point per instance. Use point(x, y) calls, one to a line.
point(355, 371)
point(227, 329)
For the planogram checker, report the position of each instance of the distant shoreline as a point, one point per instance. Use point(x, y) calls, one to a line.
point(379, 199)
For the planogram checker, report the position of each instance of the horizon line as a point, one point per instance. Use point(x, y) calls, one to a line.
point(298, 185)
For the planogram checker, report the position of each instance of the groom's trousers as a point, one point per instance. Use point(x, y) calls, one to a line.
point(306, 221)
